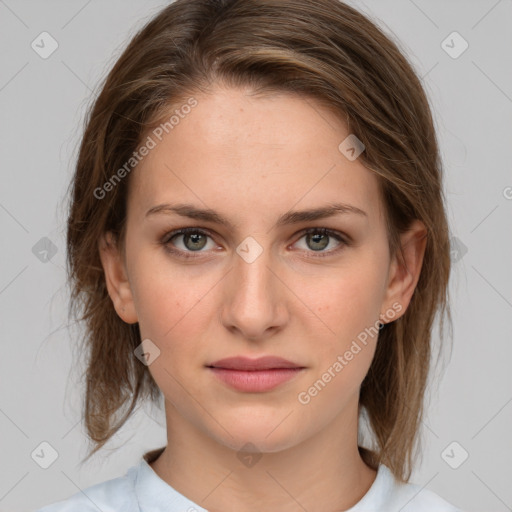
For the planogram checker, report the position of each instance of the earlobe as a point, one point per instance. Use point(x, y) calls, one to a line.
point(404, 274)
point(116, 278)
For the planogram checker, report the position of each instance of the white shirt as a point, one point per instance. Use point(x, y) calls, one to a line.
point(142, 490)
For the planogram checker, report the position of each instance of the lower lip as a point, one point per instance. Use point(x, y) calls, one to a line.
point(255, 381)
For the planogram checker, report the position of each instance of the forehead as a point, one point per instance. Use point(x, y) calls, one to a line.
point(238, 153)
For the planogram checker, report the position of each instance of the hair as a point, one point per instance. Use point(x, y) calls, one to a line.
point(324, 50)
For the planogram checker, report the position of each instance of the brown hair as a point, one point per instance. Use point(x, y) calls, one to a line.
point(324, 50)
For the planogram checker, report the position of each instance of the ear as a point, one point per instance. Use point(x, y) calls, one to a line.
point(116, 278)
point(404, 275)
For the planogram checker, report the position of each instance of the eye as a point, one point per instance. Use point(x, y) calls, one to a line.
point(192, 240)
point(317, 239)
point(185, 242)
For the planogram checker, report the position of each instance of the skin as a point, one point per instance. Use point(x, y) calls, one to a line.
point(253, 159)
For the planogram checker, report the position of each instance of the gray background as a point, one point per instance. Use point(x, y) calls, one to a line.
point(42, 105)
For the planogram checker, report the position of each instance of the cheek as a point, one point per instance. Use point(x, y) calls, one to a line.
point(168, 306)
point(347, 301)
point(171, 305)
point(172, 312)
point(349, 306)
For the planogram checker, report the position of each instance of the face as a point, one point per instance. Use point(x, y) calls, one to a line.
point(264, 282)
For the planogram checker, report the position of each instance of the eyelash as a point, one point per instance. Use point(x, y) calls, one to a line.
point(166, 239)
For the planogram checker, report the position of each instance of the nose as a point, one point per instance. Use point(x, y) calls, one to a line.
point(254, 305)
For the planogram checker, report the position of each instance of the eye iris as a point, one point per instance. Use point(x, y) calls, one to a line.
point(196, 240)
point(315, 238)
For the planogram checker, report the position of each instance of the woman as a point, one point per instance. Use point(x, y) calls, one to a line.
point(257, 231)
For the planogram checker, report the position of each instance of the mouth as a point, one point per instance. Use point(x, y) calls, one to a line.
point(255, 375)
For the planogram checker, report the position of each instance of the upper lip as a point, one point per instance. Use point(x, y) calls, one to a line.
point(261, 363)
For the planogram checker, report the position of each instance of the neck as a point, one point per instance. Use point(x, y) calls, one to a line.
point(322, 473)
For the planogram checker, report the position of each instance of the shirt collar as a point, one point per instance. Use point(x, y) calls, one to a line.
point(154, 494)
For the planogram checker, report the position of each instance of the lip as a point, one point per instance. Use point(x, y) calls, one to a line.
point(248, 364)
point(255, 375)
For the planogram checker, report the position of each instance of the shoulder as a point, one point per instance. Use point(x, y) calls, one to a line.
point(414, 498)
point(409, 497)
point(389, 495)
point(112, 495)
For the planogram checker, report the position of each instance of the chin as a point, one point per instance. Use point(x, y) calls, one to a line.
point(265, 434)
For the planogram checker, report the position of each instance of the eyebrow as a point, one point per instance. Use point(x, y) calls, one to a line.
point(292, 217)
